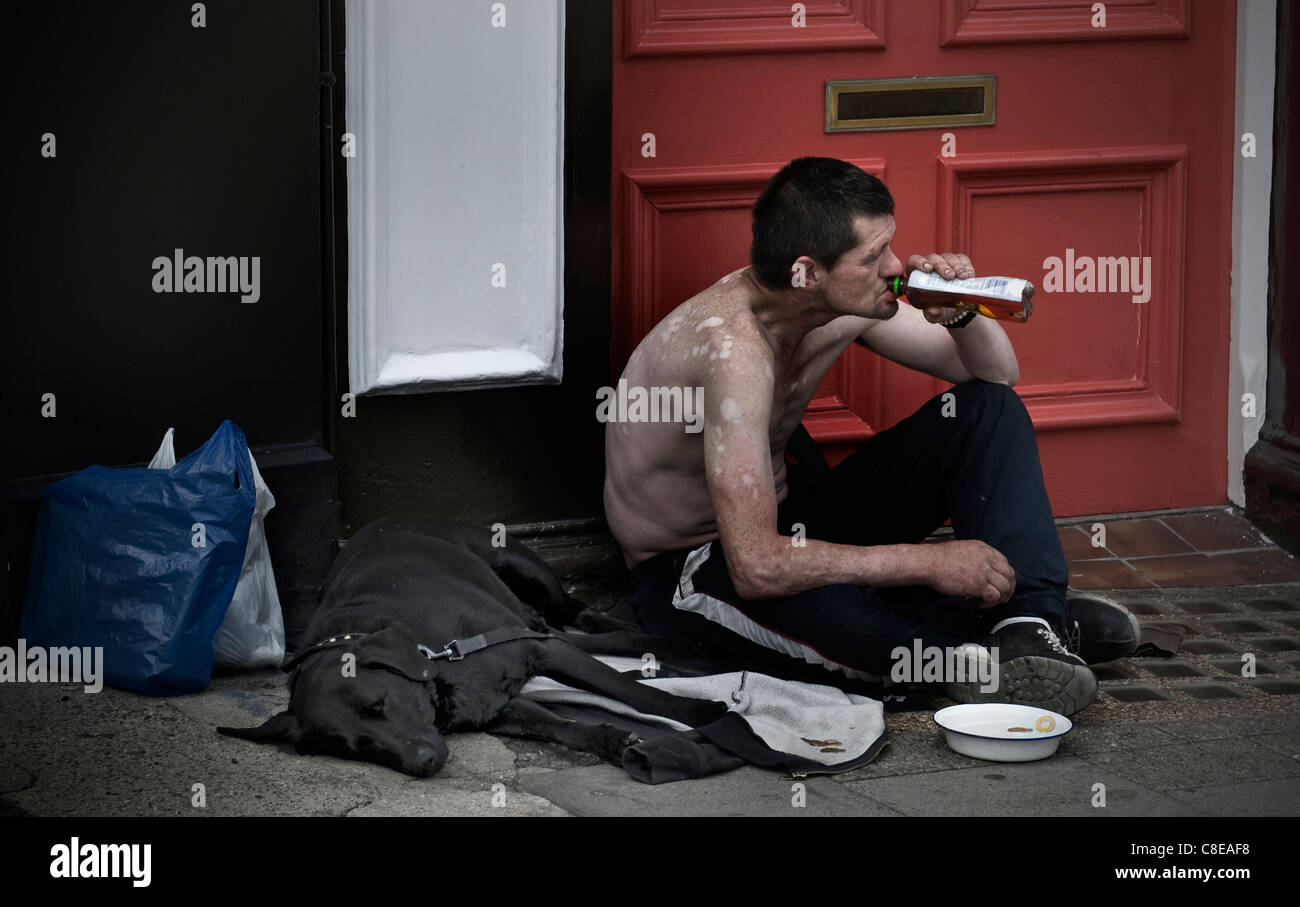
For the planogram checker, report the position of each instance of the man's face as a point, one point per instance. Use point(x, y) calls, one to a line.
point(858, 284)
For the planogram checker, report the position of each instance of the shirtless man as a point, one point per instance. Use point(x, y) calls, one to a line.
point(782, 565)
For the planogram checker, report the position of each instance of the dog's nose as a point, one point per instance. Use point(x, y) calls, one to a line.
point(429, 759)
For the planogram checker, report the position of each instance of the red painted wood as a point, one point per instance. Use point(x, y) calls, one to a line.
point(1036, 21)
point(686, 27)
point(1117, 143)
point(1082, 199)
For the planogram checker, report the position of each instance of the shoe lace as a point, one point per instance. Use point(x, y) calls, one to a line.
point(1053, 640)
point(1075, 636)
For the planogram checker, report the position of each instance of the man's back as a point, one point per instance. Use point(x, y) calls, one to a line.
point(656, 489)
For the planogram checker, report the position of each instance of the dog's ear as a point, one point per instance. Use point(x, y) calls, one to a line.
point(281, 727)
point(394, 648)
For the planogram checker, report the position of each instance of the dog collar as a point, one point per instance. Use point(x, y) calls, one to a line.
point(333, 642)
point(459, 648)
point(454, 650)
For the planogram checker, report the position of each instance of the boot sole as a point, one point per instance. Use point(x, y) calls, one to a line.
point(1032, 680)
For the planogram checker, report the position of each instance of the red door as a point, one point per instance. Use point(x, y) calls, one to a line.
point(1111, 142)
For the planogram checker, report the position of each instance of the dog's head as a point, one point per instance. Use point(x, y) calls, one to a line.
point(372, 698)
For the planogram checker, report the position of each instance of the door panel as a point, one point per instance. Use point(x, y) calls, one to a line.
point(691, 27)
point(1095, 358)
point(1004, 21)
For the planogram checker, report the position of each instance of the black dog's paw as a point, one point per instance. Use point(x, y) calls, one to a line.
point(609, 742)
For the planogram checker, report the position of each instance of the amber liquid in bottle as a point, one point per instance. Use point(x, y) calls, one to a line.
point(1003, 298)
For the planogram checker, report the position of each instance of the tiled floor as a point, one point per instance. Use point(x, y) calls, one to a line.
point(1179, 550)
point(1234, 643)
point(1206, 576)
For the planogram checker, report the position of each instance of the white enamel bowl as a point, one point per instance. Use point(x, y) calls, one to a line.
point(1003, 732)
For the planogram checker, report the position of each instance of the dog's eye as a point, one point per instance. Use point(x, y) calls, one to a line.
point(376, 708)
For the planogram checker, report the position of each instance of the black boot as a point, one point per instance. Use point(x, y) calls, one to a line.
point(1033, 668)
point(1099, 629)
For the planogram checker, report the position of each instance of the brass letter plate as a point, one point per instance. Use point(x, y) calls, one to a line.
point(923, 102)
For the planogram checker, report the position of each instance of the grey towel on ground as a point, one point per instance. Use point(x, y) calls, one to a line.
point(811, 721)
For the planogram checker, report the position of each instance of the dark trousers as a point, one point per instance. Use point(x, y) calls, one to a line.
point(971, 458)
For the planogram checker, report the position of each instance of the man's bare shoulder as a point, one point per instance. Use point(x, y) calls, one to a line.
point(714, 328)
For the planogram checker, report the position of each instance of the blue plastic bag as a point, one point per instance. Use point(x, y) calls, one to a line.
point(143, 562)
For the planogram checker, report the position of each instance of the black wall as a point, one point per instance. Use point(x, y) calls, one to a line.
point(223, 141)
point(167, 136)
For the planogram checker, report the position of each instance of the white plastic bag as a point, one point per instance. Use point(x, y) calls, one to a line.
point(252, 635)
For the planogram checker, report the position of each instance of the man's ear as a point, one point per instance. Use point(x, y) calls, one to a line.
point(277, 728)
point(394, 648)
point(807, 271)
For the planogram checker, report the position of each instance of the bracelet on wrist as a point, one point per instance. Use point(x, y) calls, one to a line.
point(961, 320)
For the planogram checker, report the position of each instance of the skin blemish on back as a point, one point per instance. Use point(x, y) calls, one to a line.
point(709, 323)
point(729, 409)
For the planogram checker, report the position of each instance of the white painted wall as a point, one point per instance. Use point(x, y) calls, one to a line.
point(459, 136)
point(1252, 189)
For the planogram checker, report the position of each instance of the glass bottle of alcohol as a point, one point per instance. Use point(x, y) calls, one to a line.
point(1003, 298)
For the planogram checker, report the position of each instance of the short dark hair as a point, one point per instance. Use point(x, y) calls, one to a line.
point(808, 209)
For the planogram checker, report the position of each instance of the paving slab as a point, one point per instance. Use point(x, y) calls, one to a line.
point(1249, 798)
point(909, 754)
point(604, 790)
point(446, 797)
point(1112, 737)
point(1252, 725)
point(115, 753)
point(1057, 786)
point(1286, 743)
point(1205, 763)
point(68, 753)
point(231, 700)
point(478, 757)
point(1193, 729)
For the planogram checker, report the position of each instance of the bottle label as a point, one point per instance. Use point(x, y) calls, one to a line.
point(1011, 289)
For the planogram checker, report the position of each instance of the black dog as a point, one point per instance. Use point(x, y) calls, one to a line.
point(382, 680)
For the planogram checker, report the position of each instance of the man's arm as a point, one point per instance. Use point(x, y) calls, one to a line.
point(913, 339)
point(763, 563)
